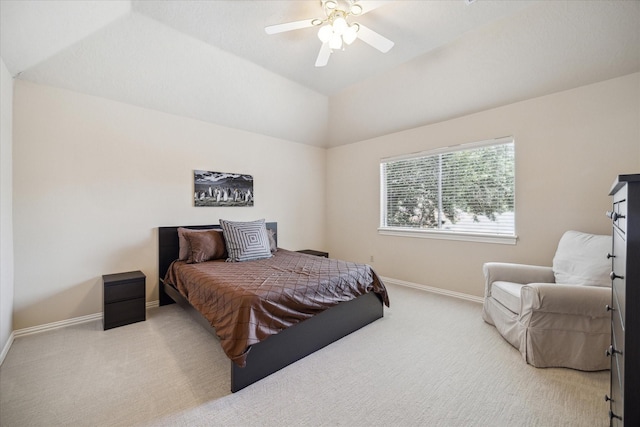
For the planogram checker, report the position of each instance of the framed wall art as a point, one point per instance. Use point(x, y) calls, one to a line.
point(222, 189)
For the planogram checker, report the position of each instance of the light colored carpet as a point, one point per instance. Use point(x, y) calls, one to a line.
point(430, 361)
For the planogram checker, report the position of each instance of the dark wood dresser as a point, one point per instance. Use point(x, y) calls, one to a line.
point(624, 395)
point(124, 298)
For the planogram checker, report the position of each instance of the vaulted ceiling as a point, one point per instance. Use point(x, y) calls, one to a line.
point(213, 61)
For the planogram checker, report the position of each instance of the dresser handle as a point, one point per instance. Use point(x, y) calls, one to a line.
point(611, 351)
point(614, 276)
point(614, 216)
point(609, 308)
point(607, 398)
point(612, 416)
point(610, 256)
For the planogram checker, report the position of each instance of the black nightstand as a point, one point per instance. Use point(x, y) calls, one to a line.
point(316, 253)
point(124, 298)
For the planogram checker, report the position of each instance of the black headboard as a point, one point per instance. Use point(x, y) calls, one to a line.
point(169, 248)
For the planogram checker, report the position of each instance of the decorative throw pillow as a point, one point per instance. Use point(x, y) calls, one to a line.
point(581, 259)
point(183, 243)
point(206, 246)
point(246, 241)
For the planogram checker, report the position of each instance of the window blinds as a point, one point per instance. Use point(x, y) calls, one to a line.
point(465, 189)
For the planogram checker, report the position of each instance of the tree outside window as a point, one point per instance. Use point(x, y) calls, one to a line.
point(470, 190)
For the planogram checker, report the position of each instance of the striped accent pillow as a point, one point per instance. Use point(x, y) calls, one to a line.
point(246, 241)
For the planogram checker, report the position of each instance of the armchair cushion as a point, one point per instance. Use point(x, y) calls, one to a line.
point(507, 294)
point(581, 259)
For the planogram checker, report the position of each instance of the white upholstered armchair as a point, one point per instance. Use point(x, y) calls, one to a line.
point(556, 316)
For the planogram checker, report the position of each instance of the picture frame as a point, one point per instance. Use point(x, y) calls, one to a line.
point(222, 189)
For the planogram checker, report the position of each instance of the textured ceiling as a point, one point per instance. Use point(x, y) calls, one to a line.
point(212, 60)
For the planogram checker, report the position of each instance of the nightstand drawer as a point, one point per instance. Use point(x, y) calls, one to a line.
point(123, 286)
point(124, 312)
point(314, 252)
point(124, 291)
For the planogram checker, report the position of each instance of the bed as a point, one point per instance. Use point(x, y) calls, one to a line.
point(277, 350)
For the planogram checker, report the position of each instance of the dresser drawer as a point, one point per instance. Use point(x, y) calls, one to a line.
point(619, 217)
point(617, 398)
point(618, 300)
point(619, 268)
point(617, 342)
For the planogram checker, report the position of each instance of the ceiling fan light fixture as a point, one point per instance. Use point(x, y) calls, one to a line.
point(330, 4)
point(336, 42)
point(355, 9)
point(340, 25)
point(335, 31)
point(350, 34)
point(325, 33)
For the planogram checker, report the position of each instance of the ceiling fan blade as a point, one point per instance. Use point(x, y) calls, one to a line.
point(289, 26)
point(374, 39)
point(369, 5)
point(323, 55)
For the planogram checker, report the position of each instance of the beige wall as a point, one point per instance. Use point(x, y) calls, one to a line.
point(6, 205)
point(569, 148)
point(94, 178)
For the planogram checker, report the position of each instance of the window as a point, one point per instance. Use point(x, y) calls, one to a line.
point(465, 192)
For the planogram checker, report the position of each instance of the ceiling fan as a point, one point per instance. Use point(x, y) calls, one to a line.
point(335, 30)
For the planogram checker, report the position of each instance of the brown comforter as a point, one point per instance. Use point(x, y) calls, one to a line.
point(246, 302)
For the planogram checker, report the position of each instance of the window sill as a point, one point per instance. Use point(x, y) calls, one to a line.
point(449, 235)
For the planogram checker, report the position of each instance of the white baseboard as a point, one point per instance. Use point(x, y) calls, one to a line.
point(56, 325)
point(150, 304)
point(64, 323)
point(431, 289)
point(6, 348)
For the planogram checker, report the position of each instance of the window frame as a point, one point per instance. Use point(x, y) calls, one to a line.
point(507, 239)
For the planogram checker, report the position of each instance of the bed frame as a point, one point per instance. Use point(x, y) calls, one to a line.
point(286, 347)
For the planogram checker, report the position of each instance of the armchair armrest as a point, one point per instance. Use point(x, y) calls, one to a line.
point(516, 273)
point(577, 300)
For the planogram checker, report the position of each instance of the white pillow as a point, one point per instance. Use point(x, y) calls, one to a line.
point(581, 259)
